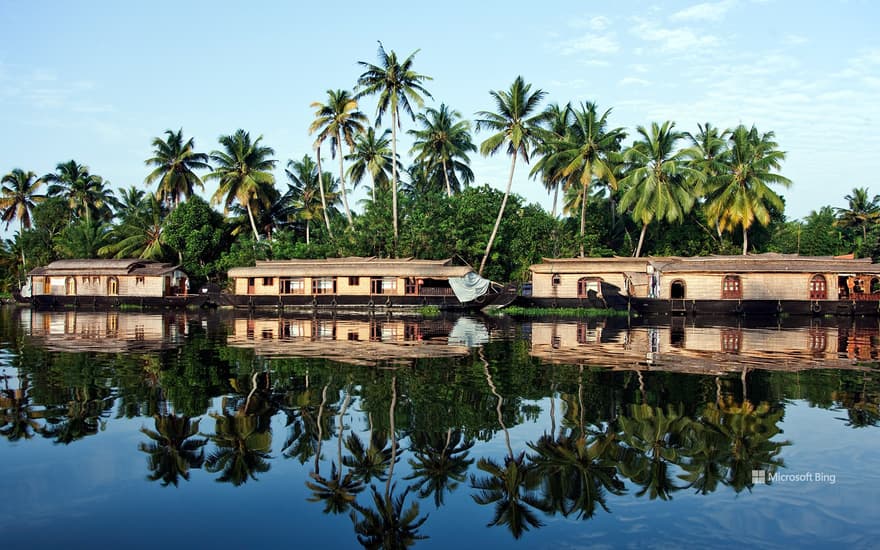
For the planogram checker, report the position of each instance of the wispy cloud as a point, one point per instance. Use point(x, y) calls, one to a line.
point(707, 11)
point(633, 81)
point(592, 43)
point(673, 39)
point(794, 39)
point(596, 23)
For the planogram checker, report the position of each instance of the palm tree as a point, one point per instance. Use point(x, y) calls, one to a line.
point(304, 194)
point(387, 525)
point(440, 462)
point(139, 235)
point(516, 125)
point(556, 121)
point(661, 183)
point(18, 199)
point(371, 154)
point(742, 195)
point(338, 120)
point(443, 143)
point(85, 192)
point(396, 84)
point(242, 170)
point(707, 149)
point(370, 462)
point(243, 444)
point(583, 154)
point(171, 450)
point(175, 162)
point(82, 239)
point(862, 211)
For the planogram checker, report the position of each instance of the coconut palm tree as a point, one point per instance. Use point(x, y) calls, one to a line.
point(371, 155)
point(582, 154)
point(742, 195)
point(368, 462)
point(303, 192)
point(707, 150)
point(243, 443)
point(556, 122)
point(661, 183)
point(339, 120)
point(18, 197)
point(86, 193)
point(139, 235)
point(387, 524)
point(397, 85)
point(862, 211)
point(442, 143)
point(242, 170)
point(171, 449)
point(175, 161)
point(440, 462)
point(516, 124)
point(82, 239)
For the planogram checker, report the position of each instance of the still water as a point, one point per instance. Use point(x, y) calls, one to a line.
point(209, 429)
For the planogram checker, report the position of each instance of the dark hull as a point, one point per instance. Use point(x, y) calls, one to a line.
point(366, 303)
point(655, 306)
point(611, 302)
point(113, 302)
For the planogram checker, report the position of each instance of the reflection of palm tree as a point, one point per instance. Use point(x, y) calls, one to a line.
point(510, 485)
point(243, 445)
point(707, 449)
point(387, 525)
point(81, 418)
point(440, 464)
point(371, 462)
point(171, 452)
point(654, 438)
point(18, 419)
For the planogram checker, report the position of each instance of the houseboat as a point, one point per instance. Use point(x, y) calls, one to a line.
point(359, 283)
point(109, 283)
point(758, 284)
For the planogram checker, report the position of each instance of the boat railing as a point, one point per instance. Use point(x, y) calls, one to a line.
point(875, 297)
point(435, 291)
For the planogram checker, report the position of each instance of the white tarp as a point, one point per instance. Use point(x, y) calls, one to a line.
point(470, 287)
point(468, 332)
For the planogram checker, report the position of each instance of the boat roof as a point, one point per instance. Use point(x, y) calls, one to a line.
point(352, 266)
point(128, 266)
point(769, 262)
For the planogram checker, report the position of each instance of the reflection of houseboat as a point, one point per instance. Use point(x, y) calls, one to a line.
point(108, 283)
point(357, 341)
point(705, 349)
point(359, 282)
point(108, 331)
point(758, 284)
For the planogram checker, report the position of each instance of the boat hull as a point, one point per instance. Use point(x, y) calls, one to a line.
point(45, 302)
point(342, 302)
point(656, 306)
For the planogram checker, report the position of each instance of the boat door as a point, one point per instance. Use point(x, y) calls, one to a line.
point(250, 286)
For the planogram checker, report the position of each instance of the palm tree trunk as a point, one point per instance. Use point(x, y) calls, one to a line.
point(745, 241)
point(555, 199)
point(253, 224)
point(373, 189)
point(341, 429)
point(393, 435)
point(394, 176)
point(307, 231)
point(446, 177)
point(500, 402)
point(500, 214)
point(20, 233)
point(321, 188)
point(342, 181)
point(583, 217)
point(641, 240)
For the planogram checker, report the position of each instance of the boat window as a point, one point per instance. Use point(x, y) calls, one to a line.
point(295, 285)
point(70, 286)
point(556, 279)
point(383, 285)
point(677, 290)
point(586, 285)
point(818, 288)
point(138, 280)
point(354, 281)
point(731, 287)
point(112, 286)
point(324, 285)
point(268, 281)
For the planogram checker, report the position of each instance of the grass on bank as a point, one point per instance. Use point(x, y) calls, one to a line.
point(577, 312)
point(429, 311)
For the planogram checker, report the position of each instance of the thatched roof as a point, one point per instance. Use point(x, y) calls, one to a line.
point(767, 263)
point(352, 267)
point(590, 265)
point(127, 266)
point(770, 262)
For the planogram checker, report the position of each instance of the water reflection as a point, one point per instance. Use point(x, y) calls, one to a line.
point(564, 419)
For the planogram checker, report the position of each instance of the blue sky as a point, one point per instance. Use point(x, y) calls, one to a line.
point(97, 80)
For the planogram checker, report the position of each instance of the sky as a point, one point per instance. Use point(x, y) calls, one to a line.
point(96, 81)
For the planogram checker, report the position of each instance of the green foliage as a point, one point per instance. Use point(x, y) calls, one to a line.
point(196, 232)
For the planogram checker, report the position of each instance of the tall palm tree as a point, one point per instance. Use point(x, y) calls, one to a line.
point(339, 120)
point(304, 194)
point(556, 121)
point(516, 124)
point(18, 197)
point(443, 143)
point(175, 162)
point(140, 234)
point(862, 211)
point(371, 154)
point(396, 84)
point(707, 150)
point(242, 170)
point(582, 154)
point(742, 195)
point(85, 192)
point(661, 183)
